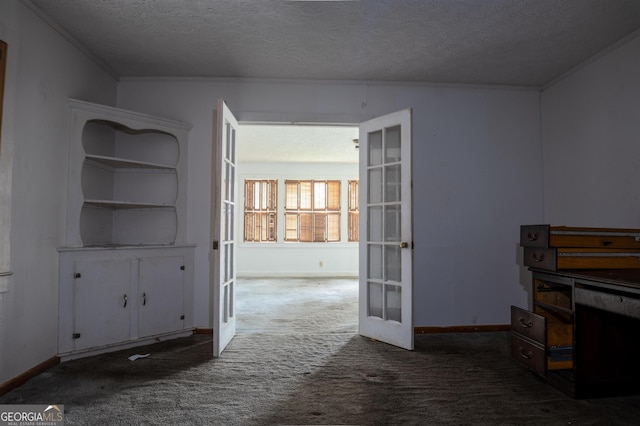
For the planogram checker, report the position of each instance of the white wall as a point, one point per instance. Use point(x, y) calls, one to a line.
point(43, 70)
point(477, 176)
point(591, 142)
point(296, 259)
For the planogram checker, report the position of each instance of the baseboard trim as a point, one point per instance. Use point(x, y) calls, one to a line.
point(203, 331)
point(29, 374)
point(462, 329)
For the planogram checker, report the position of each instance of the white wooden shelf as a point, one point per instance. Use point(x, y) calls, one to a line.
point(124, 163)
point(113, 204)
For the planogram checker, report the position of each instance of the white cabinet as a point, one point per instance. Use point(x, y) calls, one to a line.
point(123, 297)
point(160, 296)
point(126, 272)
point(101, 313)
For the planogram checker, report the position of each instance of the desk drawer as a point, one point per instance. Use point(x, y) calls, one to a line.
point(616, 303)
point(531, 355)
point(528, 324)
point(545, 236)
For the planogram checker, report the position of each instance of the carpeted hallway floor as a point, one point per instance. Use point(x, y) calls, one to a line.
point(297, 359)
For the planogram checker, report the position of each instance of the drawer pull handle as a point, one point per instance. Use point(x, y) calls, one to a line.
point(537, 257)
point(532, 236)
point(527, 355)
point(525, 324)
point(144, 299)
point(125, 301)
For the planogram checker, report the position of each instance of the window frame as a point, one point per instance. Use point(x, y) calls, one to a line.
point(311, 217)
point(261, 214)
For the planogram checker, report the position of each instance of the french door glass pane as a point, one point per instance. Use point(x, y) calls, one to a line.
point(392, 223)
point(375, 223)
point(394, 302)
point(375, 148)
point(392, 183)
point(375, 185)
point(392, 269)
point(375, 300)
point(375, 261)
point(229, 223)
point(392, 144)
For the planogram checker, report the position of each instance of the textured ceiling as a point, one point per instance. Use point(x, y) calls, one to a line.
point(506, 42)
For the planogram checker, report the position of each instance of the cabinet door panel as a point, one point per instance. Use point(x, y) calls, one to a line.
point(161, 295)
point(102, 302)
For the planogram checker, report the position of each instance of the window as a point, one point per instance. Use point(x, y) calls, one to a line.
point(260, 210)
point(354, 211)
point(312, 210)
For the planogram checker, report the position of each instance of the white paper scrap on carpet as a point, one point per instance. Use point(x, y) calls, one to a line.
point(137, 356)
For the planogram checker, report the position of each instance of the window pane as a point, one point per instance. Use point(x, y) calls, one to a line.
point(333, 195)
point(353, 195)
point(392, 269)
point(375, 261)
point(375, 223)
point(291, 201)
point(354, 226)
point(305, 195)
point(319, 227)
point(392, 223)
point(392, 144)
point(392, 184)
point(375, 186)
point(375, 148)
point(375, 299)
point(393, 295)
point(291, 227)
point(333, 227)
point(306, 227)
point(319, 195)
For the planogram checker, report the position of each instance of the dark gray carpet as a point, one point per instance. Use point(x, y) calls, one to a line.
point(276, 375)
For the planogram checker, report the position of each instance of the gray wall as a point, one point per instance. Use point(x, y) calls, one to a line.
point(591, 143)
point(43, 70)
point(476, 157)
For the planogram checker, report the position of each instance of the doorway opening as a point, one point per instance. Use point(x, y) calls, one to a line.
point(293, 275)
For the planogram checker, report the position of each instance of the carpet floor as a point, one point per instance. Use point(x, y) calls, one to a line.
point(286, 369)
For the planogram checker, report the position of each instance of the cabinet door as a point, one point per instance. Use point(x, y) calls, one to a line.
point(102, 302)
point(161, 295)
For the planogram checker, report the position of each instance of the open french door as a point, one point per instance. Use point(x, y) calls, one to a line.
point(386, 274)
point(223, 247)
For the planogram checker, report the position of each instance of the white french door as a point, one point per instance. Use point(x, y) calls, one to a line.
point(223, 247)
point(386, 274)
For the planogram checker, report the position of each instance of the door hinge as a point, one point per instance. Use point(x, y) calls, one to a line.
point(216, 245)
point(76, 335)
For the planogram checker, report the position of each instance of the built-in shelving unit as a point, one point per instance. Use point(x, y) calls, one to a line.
point(126, 271)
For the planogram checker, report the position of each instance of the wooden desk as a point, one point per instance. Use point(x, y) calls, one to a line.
point(583, 332)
